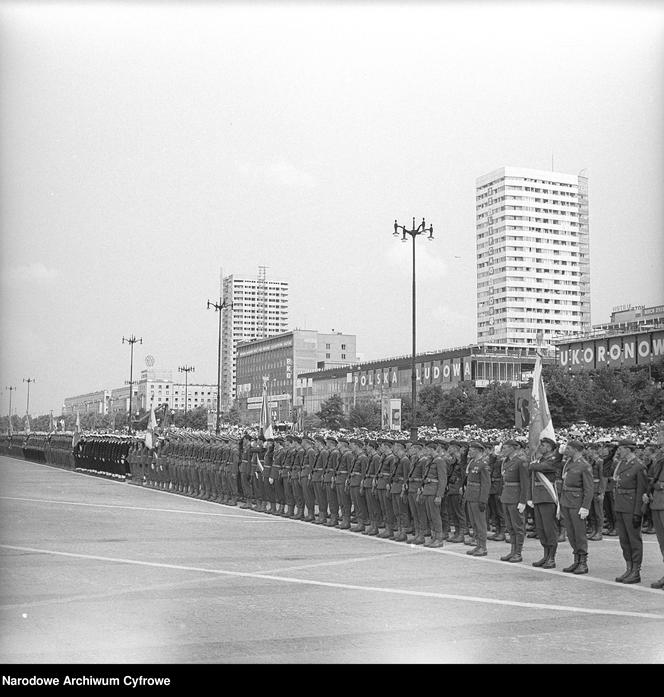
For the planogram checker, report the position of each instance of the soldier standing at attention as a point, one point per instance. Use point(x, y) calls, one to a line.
point(599, 488)
point(396, 490)
point(384, 473)
point(329, 481)
point(575, 500)
point(320, 492)
point(341, 479)
point(516, 487)
point(544, 499)
point(455, 504)
point(495, 507)
point(370, 486)
point(655, 497)
point(419, 461)
point(631, 484)
point(434, 483)
point(356, 474)
point(308, 463)
point(276, 476)
point(245, 471)
point(478, 482)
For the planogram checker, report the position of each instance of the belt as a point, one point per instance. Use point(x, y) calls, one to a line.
point(596, 481)
point(622, 490)
point(659, 486)
point(511, 483)
point(383, 474)
point(572, 488)
point(318, 469)
point(341, 472)
point(431, 481)
point(415, 479)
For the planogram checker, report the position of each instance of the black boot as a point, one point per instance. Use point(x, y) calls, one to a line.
point(511, 553)
point(544, 559)
point(582, 567)
point(628, 571)
point(550, 563)
point(570, 569)
point(634, 576)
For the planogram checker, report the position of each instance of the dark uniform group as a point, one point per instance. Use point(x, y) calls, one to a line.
point(446, 491)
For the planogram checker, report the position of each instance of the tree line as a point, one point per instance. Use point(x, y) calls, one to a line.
point(606, 397)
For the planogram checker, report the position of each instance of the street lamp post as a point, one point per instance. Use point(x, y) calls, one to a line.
point(9, 425)
point(131, 341)
point(186, 369)
point(414, 232)
point(27, 404)
point(218, 307)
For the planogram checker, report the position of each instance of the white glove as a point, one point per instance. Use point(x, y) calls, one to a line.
point(530, 503)
point(521, 507)
point(271, 480)
point(583, 513)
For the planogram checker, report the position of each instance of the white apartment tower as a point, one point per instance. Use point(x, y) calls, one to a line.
point(255, 309)
point(533, 256)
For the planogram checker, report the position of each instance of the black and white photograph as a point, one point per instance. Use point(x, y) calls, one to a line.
point(332, 335)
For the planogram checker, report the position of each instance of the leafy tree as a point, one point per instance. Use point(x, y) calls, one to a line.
point(458, 407)
point(611, 403)
point(331, 413)
point(366, 414)
point(429, 399)
point(495, 408)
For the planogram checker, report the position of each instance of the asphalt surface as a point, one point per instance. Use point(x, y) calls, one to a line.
point(100, 571)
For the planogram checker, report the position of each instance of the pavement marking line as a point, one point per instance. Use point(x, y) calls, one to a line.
point(139, 508)
point(347, 586)
point(337, 562)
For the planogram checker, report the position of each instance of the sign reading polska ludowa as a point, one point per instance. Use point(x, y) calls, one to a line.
point(612, 351)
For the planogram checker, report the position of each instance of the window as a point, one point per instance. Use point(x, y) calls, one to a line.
point(327, 346)
point(343, 347)
point(327, 355)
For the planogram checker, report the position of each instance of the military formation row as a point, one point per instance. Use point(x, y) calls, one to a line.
point(405, 491)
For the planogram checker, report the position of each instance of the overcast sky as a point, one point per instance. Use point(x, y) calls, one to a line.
point(144, 146)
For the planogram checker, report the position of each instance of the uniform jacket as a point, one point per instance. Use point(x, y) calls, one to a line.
point(358, 470)
point(495, 463)
point(401, 470)
point(657, 484)
point(333, 460)
point(577, 490)
point(516, 480)
point(417, 469)
point(319, 465)
point(376, 479)
point(550, 467)
point(308, 461)
point(630, 485)
point(478, 480)
point(455, 475)
point(278, 459)
point(435, 477)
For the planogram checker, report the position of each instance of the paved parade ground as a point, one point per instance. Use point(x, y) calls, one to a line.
point(100, 571)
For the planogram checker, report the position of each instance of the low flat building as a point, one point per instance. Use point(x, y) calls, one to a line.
point(477, 365)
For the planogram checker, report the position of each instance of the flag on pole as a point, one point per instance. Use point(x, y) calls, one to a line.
point(266, 415)
point(540, 425)
point(77, 431)
point(152, 424)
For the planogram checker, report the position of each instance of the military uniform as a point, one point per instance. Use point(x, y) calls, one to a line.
point(596, 516)
point(357, 471)
point(320, 491)
point(384, 470)
point(329, 481)
point(515, 491)
point(277, 475)
point(546, 504)
point(656, 496)
point(630, 485)
point(434, 484)
point(419, 461)
point(376, 516)
point(495, 510)
point(455, 505)
point(341, 482)
point(478, 482)
point(575, 500)
point(309, 458)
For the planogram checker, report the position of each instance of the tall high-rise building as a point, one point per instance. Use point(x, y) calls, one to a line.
point(533, 256)
point(255, 309)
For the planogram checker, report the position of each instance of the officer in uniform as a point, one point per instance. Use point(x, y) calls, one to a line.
point(231, 471)
point(341, 482)
point(544, 499)
point(596, 516)
point(257, 467)
point(434, 484)
point(478, 483)
point(357, 470)
point(655, 497)
point(320, 491)
point(329, 481)
point(575, 500)
point(370, 485)
point(419, 461)
point(607, 452)
point(309, 457)
point(495, 507)
point(631, 484)
point(455, 504)
point(398, 491)
point(296, 472)
point(276, 476)
point(515, 490)
point(384, 470)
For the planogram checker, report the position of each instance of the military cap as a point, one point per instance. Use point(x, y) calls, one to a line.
point(343, 439)
point(386, 441)
point(372, 442)
point(456, 443)
point(332, 438)
point(319, 438)
point(356, 441)
point(550, 441)
point(513, 442)
point(476, 444)
point(627, 443)
point(575, 444)
point(279, 439)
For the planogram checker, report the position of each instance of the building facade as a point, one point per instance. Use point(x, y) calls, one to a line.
point(281, 359)
point(255, 308)
point(157, 387)
point(633, 317)
point(533, 256)
point(89, 403)
point(476, 365)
